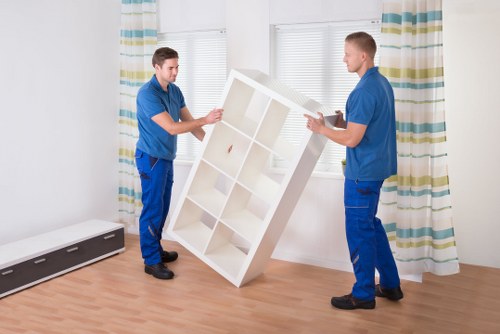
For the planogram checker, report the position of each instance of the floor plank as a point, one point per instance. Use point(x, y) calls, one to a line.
point(116, 296)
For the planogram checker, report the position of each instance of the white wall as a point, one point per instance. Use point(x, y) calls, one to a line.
point(311, 11)
point(188, 15)
point(315, 232)
point(59, 99)
point(247, 24)
point(471, 51)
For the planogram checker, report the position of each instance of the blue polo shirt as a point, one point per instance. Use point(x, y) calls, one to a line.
point(372, 103)
point(152, 100)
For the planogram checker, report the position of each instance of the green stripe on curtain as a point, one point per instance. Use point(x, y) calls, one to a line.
point(415, 205)
point(413, 140)
point(138, 40)
point(412, 30)
point(136, 75)
point(411, 73)
point(413, 47)
point(142, 42)
point(414, 181)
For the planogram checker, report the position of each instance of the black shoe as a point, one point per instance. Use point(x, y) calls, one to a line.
point(169, 256)
point(391, 294)
point(348, 302)
point(159, 270)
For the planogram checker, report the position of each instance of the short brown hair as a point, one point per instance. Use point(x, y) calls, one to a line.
point(364, 41)
point(162, 54)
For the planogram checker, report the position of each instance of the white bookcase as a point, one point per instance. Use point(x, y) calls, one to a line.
point(234, 206)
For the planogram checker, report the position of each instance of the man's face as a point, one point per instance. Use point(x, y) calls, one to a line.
point(168, 72)
point(353, 57)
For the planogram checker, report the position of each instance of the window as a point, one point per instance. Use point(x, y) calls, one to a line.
point(309, 58)
point(202, 76)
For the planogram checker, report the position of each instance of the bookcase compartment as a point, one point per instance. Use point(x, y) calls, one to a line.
point(245, 213)
point(256, 174)
point(244, 107)
point(196, 225)
point(210, 189)
point(269, 132)
point(227, 250)
point(227, 150)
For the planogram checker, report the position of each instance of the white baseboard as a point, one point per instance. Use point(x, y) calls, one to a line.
point(325, 263)
point(299, 258)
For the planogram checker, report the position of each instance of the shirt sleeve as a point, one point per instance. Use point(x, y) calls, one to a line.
point(361, 107)
point(150, 103)
point(181, 98)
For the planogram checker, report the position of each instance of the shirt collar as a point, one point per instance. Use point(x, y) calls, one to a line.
point(156, 84)
point(370, 71)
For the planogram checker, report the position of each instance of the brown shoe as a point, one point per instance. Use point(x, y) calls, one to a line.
point(348, 302)
point(169, 256)
point(391, 294)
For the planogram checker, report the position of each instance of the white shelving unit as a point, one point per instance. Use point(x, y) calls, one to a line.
point(234, 207)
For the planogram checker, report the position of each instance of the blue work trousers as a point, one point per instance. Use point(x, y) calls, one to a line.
point(157, 178)
point(367, 240)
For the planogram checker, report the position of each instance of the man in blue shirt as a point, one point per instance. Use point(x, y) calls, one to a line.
point(371, 157)
point(162, 115)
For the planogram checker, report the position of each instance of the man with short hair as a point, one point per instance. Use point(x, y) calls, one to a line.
point(370, 140)
point(162, 115)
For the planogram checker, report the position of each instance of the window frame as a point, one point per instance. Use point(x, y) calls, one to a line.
point(330, 62)
point(197, 76)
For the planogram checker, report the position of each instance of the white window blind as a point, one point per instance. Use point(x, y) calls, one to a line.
point(202, 76)
point(309, 58)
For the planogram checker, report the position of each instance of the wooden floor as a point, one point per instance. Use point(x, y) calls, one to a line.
point(116, 296)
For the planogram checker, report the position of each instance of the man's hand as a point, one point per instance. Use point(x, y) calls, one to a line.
point(315, 124)
point(214, 116)
point(339, 122)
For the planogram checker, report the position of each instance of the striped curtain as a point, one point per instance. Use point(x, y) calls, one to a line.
point(415, 205)
point(137, 45)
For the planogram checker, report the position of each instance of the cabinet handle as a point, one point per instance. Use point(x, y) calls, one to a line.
point(40, 260)
point(71, 250)
point(5, 273)
point(110, 236)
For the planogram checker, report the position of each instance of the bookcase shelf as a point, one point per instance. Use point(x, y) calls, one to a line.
point(235, 205)
point(244, 213)
point(210, 189)
point(195, 225)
